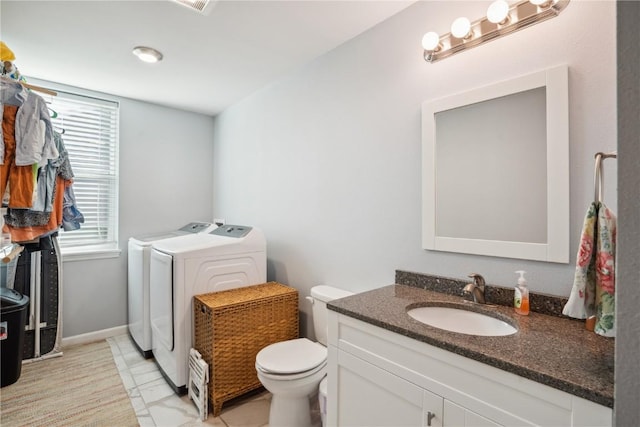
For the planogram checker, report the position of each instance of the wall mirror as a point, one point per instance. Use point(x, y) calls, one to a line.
point(495, 169)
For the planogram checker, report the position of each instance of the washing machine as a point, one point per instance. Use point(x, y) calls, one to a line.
point(231, 256)
point(138, 280)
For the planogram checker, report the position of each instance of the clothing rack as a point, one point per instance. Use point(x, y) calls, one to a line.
point(598, 175)
point(10, 252)
point(32, 87)
point(34, 269)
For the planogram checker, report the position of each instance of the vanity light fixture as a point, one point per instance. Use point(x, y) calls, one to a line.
point(147, 54)
point(501, 19)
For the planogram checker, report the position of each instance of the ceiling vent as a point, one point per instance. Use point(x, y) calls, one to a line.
point(201, 6)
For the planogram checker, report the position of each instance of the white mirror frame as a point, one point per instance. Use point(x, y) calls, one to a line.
point(556, 248)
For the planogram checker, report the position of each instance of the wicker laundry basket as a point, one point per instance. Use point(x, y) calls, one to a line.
point(232, 326)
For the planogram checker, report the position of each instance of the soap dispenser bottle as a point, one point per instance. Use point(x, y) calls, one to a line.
point(521, 295)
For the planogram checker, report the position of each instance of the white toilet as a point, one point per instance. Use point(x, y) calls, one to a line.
point(292, 370)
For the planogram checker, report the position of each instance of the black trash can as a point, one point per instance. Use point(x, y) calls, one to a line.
point(13, 317)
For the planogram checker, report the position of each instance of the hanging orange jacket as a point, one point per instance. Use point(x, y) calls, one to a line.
point(21, 179)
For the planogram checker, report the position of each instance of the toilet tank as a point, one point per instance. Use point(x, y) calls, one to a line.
point(320, 295)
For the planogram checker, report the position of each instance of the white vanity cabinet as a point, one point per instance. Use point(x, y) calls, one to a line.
point(375, 397)
point(458, 416)
point(380, 378)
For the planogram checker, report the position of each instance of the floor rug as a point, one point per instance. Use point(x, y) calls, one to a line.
point(80, 388)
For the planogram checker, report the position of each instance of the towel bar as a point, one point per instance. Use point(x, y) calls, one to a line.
point(598, 176)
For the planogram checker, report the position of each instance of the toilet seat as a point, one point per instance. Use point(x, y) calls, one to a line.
point(288, 358)
point(293, 377)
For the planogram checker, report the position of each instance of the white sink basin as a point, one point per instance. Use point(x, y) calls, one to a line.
point(462, 321)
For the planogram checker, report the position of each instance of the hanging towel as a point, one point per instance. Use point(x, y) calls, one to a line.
point(605, 273)
point(593, 291)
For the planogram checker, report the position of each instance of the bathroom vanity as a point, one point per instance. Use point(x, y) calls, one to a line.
point(387, 369)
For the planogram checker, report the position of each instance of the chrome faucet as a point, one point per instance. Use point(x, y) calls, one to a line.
point(476, 289)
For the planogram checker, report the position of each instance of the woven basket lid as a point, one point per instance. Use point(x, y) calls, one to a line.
point(291, 357)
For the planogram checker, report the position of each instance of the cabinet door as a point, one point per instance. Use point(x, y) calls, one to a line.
point(370, 396)
point(432, 409)
point(457, 416)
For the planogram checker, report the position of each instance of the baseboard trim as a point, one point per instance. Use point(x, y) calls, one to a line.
point(94, 336)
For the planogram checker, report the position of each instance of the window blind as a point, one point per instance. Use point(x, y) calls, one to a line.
point(91, 138)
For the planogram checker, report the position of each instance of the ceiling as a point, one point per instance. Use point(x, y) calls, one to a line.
point(210, 60)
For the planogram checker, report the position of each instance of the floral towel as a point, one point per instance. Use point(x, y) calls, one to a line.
point(593, 290)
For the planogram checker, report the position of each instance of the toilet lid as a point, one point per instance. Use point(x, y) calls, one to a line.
point(290, 357)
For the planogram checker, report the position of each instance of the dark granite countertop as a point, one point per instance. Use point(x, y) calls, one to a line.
point(555, 351)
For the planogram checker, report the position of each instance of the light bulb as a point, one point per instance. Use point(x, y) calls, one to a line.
point(430, 41)
point(498, 12)
point(461, 28)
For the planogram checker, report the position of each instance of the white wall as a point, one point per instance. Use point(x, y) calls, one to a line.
point(327, 160)
point(165, 182)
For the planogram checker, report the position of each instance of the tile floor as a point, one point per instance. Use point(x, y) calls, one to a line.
point(156, 404)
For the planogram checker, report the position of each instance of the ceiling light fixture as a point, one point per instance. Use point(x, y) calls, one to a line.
point(501, 19)
point(201, 6)
point(147, 54)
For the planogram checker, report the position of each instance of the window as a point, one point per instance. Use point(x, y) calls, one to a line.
point(89, 129)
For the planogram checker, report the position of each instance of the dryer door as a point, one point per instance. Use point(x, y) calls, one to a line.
point(138, 294)
point(161, 301)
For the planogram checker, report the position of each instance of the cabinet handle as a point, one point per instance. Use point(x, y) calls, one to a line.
point(430, 416)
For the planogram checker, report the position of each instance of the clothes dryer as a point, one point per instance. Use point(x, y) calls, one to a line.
point(232, 256)
point(139, 257)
